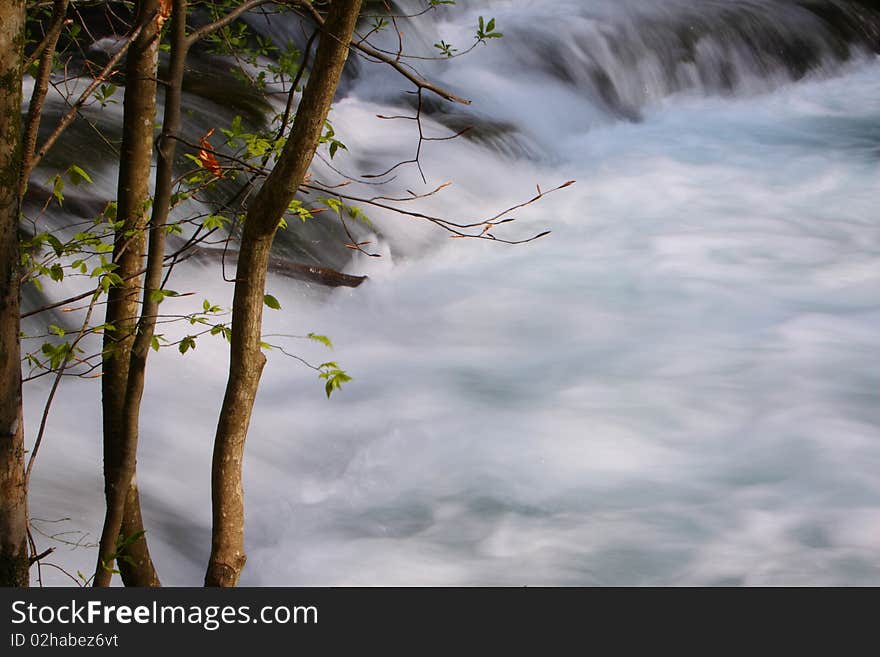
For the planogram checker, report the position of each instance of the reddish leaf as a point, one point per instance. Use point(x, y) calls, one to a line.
point(206, 155)
point(164, 12)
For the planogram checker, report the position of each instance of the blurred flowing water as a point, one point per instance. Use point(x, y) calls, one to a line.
point(679, 386)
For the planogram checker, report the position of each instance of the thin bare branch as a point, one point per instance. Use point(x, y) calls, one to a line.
point(46, 52)
point(205, 30)
point(456, 229)
point(60, 372)
point(71, 114)
point(394, 63)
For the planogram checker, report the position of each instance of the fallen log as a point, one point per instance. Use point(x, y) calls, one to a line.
point(283, 267)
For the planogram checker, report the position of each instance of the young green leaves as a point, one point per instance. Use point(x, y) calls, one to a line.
point(487, 30)
point(334, 377)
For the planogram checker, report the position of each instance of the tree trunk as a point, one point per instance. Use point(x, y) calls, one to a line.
point(246, 358)
point(140, 350)
point(41, 88)
point(122, 521)
point(14, 562)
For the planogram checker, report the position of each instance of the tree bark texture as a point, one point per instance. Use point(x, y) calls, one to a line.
point(246, 358)
point(14, 561)
point(41, 88)
point(122, 523)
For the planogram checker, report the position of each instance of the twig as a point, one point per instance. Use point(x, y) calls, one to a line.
point(205, 30)
point(45, 553)
point(68, 118)
point(55, 384)
point(413, 77)
point(46, 52)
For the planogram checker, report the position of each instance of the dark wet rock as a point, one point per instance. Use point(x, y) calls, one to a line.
point(714, 46)
point(857, 21)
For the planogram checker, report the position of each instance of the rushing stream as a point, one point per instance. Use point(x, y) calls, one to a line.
point(678, 386)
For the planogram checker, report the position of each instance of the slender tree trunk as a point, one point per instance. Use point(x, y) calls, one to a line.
point(247, 360)
point(140, 349)
point(122, 522)
point(14, 563)
point(41, 88)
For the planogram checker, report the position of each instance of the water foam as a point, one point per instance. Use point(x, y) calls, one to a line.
point(677, 387)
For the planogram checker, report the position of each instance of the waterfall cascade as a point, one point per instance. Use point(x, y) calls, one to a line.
point(677, 386)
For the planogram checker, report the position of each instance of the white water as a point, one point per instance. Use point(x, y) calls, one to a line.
point(678, 386)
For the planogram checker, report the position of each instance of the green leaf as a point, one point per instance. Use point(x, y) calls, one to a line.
point(335, 145)
point(55, 243)
point(487, 30)
point(334, 204)
point(334, 377)
point(335, 382)
point(77, 175)
point(112, 571)
point(158, 296)
point(209, 308)
point(323, 339)
point(272, 302)
point(446, 48)
point(110, 211)
point(215, 221)
point(58, 188)
point(115, 279)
